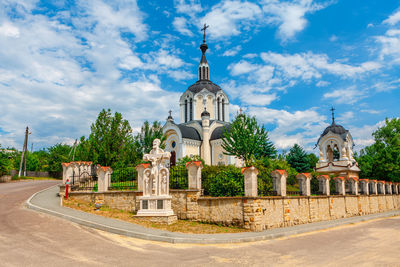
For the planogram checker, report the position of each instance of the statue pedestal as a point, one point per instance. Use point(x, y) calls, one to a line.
point(156, 209)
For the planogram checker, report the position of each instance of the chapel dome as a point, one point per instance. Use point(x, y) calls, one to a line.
point(207, 84)
point(336, 129)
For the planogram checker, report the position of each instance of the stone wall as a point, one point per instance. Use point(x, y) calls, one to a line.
point(5, 178)
point(254, 213)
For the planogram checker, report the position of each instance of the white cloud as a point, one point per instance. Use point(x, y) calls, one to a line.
point(232, 52)
point(258, 99)
point(181, 25)
point(309, 65)
point(190, 7)
point(362, 136)
point(345, 96)
point(322, 83)
point(9, 30)
point(305, 126)
point(393, 19)
point(333, 38)
point(229, 17)
point(290, 15)
point(371, 111)
point(242, 67)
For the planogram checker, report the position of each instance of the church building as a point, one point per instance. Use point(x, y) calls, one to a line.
point(204, 113)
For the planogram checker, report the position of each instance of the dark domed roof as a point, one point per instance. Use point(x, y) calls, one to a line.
point(209, 85)
point(218, 132)
point(189, 132)
point(336, 129)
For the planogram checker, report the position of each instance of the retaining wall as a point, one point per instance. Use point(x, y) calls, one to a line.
point(255, 213)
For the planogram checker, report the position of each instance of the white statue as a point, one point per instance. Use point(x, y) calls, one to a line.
point(157, 157)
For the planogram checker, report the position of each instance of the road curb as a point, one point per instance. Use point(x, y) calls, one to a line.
point(215, 239)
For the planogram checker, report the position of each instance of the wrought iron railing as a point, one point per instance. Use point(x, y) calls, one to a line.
point(123, 179)
point(178, 177)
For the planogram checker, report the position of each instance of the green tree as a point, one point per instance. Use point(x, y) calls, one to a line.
point(5, 162)
point(298, 159)
point(110, 142)
point(148, 133)
point(57, 155)
point(381, 160)
point(247, 140)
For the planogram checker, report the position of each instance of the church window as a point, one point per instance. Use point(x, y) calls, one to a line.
point(173, 144)
point(191, 109)
point(218, 109)
point(207, 77)
point(199, 73)
point(186, 110)
point(223, 109)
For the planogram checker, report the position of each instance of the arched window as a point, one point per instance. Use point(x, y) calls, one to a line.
point(207, 77)
point(204, 73)
point(186, 110)
point(223, 109)
point(218, 109)
point(199, 73)
point(191, 109)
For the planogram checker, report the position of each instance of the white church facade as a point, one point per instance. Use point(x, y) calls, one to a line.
point(204, 114)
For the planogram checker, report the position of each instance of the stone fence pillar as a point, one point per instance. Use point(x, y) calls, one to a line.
point(194, 174)
point(304, 183)
point(364, 186)
point(250, 181)
point(373, 185)
point(340, 187)
point(104, 178)
point(353, 185)
point(381, 187)
point(323, 184)
point(140, 169)
point(395, 188)
point(388, 188)
point(67, 171)
point(279, 181)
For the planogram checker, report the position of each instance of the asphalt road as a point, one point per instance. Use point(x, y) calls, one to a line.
point(29, 238)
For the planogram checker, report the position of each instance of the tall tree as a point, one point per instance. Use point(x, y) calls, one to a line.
point(247, 140)
point(381, 160)
point(58, 154)
point(147, 135)
point(298, 159)
point(110, 140)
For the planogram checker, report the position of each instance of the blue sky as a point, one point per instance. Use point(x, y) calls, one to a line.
point(287, 62)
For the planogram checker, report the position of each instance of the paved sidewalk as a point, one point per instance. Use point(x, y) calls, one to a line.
point(47, 201)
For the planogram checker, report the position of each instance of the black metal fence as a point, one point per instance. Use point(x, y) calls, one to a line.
point(178, 177)
point(123, 179)
point(84, 180)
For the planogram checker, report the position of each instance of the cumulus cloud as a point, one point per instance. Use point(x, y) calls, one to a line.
point(232, 52)
point(55, 77)
point(181, 25)
point(305, 126)
point(290, 15)
point(393, 19)
point(345, 96)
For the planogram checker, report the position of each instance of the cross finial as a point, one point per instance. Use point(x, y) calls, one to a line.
point(204, 30)
point(333, 114)
point(170, 112)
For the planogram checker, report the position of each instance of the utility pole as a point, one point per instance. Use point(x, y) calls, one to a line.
point(23, 152)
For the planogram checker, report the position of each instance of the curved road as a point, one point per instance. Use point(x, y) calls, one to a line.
point(29, 238)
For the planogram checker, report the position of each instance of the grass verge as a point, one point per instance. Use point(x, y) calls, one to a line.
point(182, 226)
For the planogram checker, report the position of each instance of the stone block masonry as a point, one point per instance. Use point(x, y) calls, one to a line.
point(254, 213)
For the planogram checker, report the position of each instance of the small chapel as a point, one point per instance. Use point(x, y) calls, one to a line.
point(336, 152)
point(204, 114)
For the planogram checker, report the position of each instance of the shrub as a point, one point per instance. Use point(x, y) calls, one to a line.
point(222, 181)
point(186, 159)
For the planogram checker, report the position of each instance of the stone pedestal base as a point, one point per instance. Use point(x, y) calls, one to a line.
point(170, 219)
point(157, 206)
